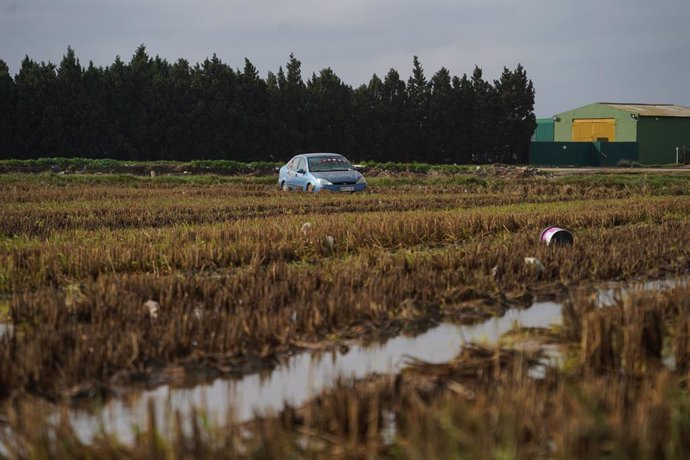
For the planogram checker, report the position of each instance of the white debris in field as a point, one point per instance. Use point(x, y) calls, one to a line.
point(153, 173)
point(305, 228)
point(198, 313)
point(535, 262)
point(152, 308)
point(494, 271)
point(330, 241)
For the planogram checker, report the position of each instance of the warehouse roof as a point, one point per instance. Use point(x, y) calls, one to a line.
point(652, 110)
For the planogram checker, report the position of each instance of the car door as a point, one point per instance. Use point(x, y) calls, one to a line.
point(300, 173)
point(290, 175)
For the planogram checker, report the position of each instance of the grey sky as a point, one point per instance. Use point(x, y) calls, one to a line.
point(575, 52)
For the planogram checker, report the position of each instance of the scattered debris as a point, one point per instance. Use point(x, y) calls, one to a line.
point(153, 173)
point(330, 241)
point(494, 271)
point(501, 170)
point(305, 228)
point(536, 263)
point(556, 236)
point(152, 308)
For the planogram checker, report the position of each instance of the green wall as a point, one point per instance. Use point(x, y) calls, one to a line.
point(626, 126)
point(659, 137)
point(544, 131)
point(582, 153)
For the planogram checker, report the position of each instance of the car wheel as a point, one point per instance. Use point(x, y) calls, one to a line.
point(284, 186)
point(310, 188)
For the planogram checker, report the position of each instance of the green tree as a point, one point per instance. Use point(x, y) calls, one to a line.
point(179, 137)
point(393, 118)
point(117, 104)
point(417, 114)
point(514, 101)
point(369, 122)
point(288, 107)
point(94, 141)
point(148, 109)
point(254, 123)
point(442, 122)
point(463, 105)
point(70, 122)
point(482, 123)
point(216, 110)
point(8, 111)
point(37, 109)
point(328, 113)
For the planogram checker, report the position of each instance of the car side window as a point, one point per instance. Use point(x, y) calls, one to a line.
point(300, 164)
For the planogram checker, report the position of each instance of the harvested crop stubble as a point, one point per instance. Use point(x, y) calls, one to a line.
point(237, 290)
point(264, 308)
point(236, 283)
point(483, 404)
point(191, 248)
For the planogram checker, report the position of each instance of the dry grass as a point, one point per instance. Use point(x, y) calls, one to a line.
point(240, 281)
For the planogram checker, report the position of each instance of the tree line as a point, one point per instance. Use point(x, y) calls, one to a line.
point(150, 109)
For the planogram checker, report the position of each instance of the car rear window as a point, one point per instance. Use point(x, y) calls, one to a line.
point(323, 164)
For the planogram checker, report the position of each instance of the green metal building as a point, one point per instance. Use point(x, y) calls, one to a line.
point(544, 131)
point(658, 129)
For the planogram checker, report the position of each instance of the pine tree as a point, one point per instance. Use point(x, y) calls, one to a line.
point(71, 98)
point(369, 120)
point(394, 120)
point(514, 96)
point(8, 110)
point(216, 109)
point(483, 125)
point(94, 139)
point(37, 109)
point(417, 113)
point(149, 109)
point(463, 112)
point(442, 123)
point(329, 109)
point(253, 130)
point(288, 105)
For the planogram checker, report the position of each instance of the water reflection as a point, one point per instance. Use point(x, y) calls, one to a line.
point(305, 375)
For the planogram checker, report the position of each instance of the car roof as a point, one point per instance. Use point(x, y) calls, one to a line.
point(312, 155)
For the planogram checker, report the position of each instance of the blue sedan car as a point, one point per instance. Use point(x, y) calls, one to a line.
point(315, 172)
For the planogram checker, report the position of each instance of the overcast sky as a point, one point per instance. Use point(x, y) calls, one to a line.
point(575, 52)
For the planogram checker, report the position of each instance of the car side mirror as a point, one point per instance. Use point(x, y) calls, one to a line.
point(301, 171)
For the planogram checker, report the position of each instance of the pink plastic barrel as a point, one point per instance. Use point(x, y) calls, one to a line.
point(556, 236)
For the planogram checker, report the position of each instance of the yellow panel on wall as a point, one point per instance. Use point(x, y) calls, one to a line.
point(594, 129)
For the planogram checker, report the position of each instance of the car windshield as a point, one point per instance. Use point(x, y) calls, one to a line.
point(323, 164)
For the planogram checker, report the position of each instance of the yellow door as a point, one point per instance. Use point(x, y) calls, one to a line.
point(594, 129)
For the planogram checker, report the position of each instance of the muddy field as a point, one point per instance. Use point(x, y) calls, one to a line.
point(112, 287)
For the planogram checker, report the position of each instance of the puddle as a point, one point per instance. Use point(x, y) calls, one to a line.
point(607, 296)
point(305, 375)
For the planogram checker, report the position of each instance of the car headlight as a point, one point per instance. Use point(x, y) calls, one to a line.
point(323, 182)
point(362, 180)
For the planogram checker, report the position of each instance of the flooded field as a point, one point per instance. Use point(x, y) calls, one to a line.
point(305, 375)
point(301, 377)
point(168, 306)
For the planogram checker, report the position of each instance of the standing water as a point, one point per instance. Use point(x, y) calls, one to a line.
point(305, 375)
